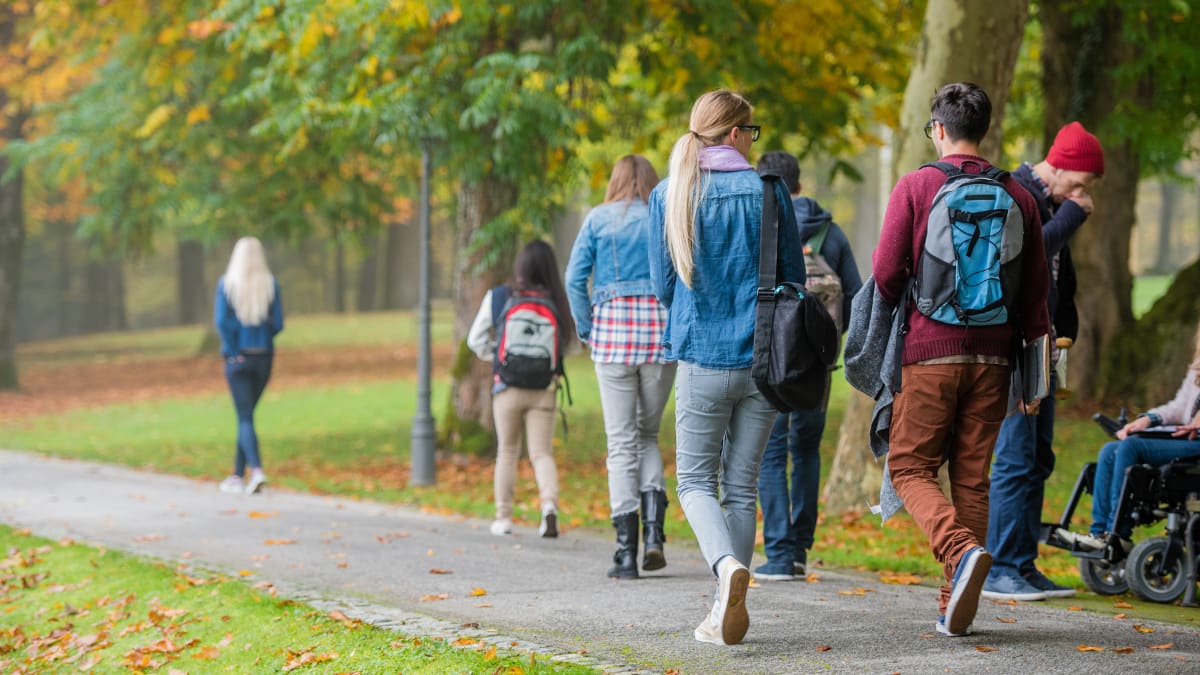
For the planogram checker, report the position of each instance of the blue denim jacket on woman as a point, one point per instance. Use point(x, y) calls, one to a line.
point(711, 324)
point(611, 249)
point(236, 336)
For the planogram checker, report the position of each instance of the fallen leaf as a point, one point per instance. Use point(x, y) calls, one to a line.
point(490, 653)
point(146, 538)
point(1122, 605)
point(484, 605)
point(263, 514)
point(1168, 645)
point(981, 648)
point(813, 578)
point(245, 573)
point(927, 636)
point(469, 624)
point(431, 598)
point(900, 578)
point(1004, 619)
point(1120, 616)
point(343, 564)
point(438, 570)
point(1086, 648)
point(824, 648)
point(477, 592)
point(207, 653)
point(279, 542)
point(1142, 629)
point(1073, 608)
point(464, 641)
point(385, 538)
point(1122, 650)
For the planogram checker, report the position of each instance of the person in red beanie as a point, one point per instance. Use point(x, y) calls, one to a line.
point(1023, 455)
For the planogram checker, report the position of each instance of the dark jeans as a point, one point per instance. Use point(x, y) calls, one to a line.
point(790, 519)
point(1114, 459)
point(1024, 459)
point(247, 376)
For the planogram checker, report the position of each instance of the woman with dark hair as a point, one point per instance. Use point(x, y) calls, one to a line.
point(623, 324)
point(520, 328)
point(705, 229)
point(248, 313)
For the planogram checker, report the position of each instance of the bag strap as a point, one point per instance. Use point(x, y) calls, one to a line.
point(499, 299)
point(818, 240)
point(768, 244)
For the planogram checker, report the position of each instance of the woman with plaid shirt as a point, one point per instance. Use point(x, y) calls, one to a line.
point(623, 323)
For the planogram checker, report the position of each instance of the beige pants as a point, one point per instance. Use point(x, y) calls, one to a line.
point(534, 407)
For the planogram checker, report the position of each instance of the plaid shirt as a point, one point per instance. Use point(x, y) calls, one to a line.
point(628, 330)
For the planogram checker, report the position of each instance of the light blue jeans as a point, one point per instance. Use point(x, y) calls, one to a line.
point(633, 398)
point(721, 426)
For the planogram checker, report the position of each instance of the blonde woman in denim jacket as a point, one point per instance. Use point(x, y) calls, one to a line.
point(623, 323)
point(706, 224)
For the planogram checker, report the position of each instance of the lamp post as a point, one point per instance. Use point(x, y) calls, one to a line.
point(424, 468)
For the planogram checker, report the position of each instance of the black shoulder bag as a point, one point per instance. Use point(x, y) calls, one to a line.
point(795, 339)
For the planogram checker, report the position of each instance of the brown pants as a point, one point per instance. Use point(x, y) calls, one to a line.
point(947, 413)
point(534, 407)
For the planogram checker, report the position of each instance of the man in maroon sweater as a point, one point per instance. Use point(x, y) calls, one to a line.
point(955, 379)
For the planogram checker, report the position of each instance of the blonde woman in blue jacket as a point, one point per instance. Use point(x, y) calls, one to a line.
point(248, 313)
point(705, 228)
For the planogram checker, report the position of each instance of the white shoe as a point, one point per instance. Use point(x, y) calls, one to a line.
point(232, 485)
point(728, 621)
point(502, 526)
point(1087, 541)
point(257, 480)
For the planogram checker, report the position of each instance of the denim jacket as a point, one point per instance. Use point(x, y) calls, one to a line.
point(711, 324)
point(235, 336)
point(611, 249)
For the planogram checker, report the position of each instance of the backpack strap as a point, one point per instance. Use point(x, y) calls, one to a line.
point(818, 240)
point(945, 167)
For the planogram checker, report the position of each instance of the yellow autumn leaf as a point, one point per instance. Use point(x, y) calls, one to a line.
point(155, 120)
point(981, 648)
point(279, 542)
point(490, 653)
point(476, 592)
point(1142, 629)
point(245, 573)
point(309, 38)
point(198, 114)
point(1168, 645)
point(464, 641)
point(431, 598)
point(262, 514)
point(900, 578)
point(1087, 648)
point(1122, 650)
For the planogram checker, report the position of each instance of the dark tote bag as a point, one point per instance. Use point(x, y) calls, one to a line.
point(795, 338)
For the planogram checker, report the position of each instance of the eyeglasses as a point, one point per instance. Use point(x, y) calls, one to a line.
point(929, 127)
point(754, 129)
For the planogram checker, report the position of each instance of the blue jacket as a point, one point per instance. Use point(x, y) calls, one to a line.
point(836, 249)
point(236, 336)
point(711, 324)
point(612, 249)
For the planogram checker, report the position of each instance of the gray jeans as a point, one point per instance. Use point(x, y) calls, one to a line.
point(721, 426)
point(633, 398)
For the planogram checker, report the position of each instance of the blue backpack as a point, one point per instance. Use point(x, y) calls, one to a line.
point(970, 268)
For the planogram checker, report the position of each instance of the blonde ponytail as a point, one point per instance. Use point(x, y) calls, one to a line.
point(713, 116)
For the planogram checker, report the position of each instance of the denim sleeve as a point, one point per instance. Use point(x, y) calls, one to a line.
point(579, 268)
point(225, 321)
point(277, 311)
point(791, 249)
point(662, 269)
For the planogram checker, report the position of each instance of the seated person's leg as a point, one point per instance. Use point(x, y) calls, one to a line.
point(1104, 495)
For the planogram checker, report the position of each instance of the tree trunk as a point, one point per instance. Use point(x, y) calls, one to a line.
point(402, 276)
point(193, 294)
point(12, 244)
point(105, 304)
point(947, 53)
point(368, 273)
point(855, 476)
point(1164, 262)
point(339, 277)
point(469, 419)
point(1078, 66)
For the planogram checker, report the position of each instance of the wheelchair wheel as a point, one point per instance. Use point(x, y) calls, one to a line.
point(1140, 571)
point(1102, 577)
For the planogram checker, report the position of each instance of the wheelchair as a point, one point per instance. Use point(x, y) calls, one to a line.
point(1160, 569)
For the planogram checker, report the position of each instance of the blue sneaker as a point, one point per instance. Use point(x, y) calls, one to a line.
point(1044, 584)
point(770, 571)
point(968, 581)
point(1007, 587)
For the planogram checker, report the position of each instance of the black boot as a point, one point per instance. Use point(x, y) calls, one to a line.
point(627, 546)
point(654, 503)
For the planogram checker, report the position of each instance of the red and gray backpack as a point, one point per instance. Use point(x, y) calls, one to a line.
point(528, 340)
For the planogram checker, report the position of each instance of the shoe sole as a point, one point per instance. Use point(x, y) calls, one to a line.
point(964, 600)
point(941, 628)
point(702, 636)
point(1065, 593)
point(736, 621)
point(1021, 597)
point(654, 560)
point(774, 577)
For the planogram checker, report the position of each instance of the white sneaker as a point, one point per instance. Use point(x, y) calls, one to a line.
point(728, 621)
point(257, 480)
point(502, 526)
point(232, 485)
point(1086, 541)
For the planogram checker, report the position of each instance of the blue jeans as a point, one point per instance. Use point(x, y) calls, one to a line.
point(1118, 456)
point(247, 376)
point(721, 425)
point(790, 519)
point(1023, 460)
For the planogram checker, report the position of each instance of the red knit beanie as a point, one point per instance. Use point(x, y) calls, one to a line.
point(1075, 149)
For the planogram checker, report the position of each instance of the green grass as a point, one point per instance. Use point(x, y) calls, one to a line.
point(66, 606)
point(1147, 290)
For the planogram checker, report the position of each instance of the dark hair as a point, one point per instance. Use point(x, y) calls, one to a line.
point(964, 110)
point(536, 269)
point(784, 165)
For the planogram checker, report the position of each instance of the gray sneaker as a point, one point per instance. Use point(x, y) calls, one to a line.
point(232, 485)
point(1044, 584)
point(1011, 588)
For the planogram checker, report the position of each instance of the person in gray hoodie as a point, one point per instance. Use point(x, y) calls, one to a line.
point(790, 517)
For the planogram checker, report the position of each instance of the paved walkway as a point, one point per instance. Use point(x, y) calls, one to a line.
point(375, 561)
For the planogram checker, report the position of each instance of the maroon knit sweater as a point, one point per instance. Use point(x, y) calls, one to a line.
point(900, 245)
